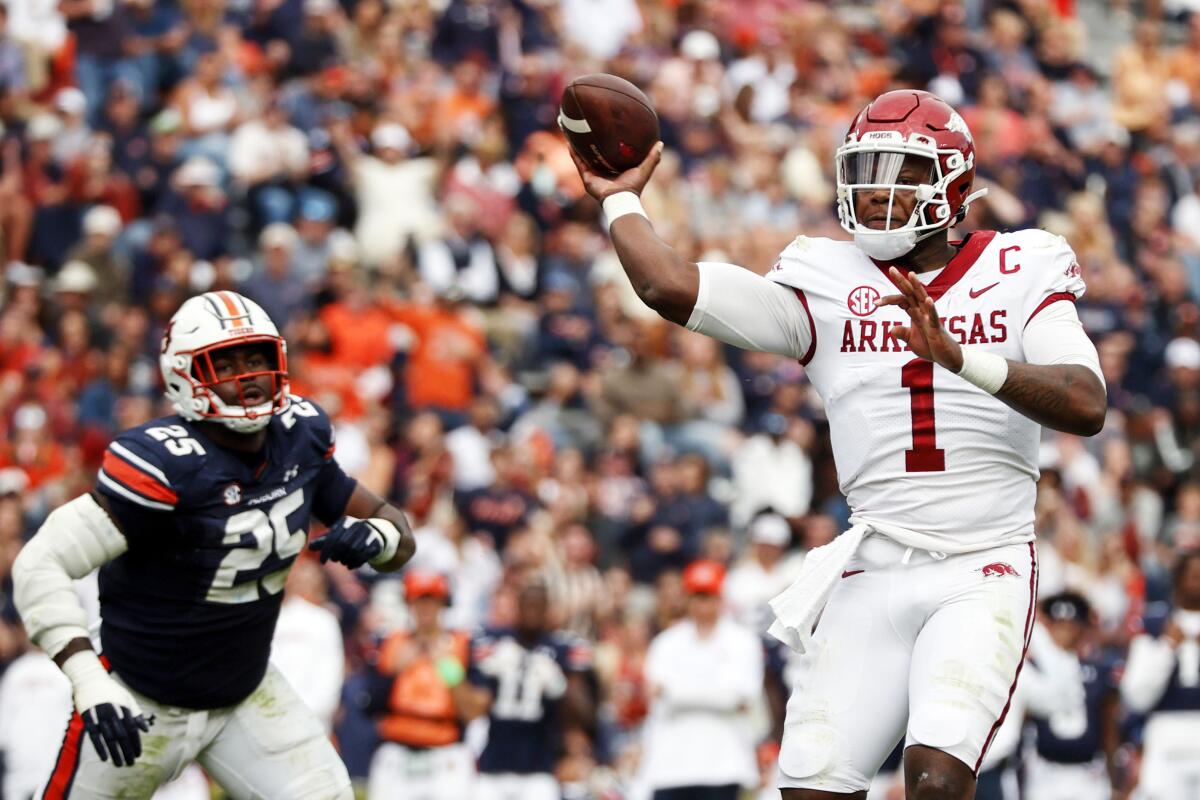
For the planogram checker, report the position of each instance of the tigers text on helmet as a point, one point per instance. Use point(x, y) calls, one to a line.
point(900, 125)
point(204, 325)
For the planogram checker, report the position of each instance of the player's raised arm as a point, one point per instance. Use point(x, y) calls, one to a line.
point(662, 278)
point(1064, 391)
point(724, 301)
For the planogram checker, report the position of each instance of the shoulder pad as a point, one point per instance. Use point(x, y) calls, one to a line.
point(306, 418)
point(149, 465)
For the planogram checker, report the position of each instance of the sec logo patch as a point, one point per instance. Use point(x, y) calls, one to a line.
point(862, 301)
point(233, 494)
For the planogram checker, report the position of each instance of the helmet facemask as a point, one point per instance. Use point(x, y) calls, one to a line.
point(903, 170)
point(198, 369)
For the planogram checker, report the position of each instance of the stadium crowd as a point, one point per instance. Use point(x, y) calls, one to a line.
point(387, 180)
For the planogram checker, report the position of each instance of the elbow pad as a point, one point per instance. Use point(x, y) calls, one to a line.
point(74, 540)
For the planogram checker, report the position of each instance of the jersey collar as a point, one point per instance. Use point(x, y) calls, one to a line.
point(972, 247)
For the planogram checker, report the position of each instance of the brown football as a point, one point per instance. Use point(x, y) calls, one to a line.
point(608, 121)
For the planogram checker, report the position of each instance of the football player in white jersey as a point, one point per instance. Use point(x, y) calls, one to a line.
point(938, 361)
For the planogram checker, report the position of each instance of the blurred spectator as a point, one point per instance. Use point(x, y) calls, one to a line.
point(273, 284)
point(103, 43)
point(461, 260)
point(471, 446)
point(34, 698)
point(268, 159)
point(765, 571)
point(394, 190)
point(704, 673)
point(199, 208)
point(97, 251)
point(423, 699)
point(444, 360)
point(1141, 72)
point(307, 647)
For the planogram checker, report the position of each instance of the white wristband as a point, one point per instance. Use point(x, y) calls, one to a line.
point(986, 370)
point(391, 539)
point(618, 205)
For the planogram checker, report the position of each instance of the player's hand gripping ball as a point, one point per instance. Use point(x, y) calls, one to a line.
point(350, 541)
point(608, 122)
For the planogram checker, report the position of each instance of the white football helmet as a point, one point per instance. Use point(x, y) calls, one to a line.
point(203, 325)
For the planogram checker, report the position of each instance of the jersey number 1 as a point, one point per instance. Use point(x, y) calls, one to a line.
point(925, 456)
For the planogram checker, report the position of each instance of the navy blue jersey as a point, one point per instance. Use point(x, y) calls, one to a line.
point(188, 612)
point(523, 729)
point(1075, 737)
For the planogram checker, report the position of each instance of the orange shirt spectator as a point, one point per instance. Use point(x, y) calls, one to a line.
point(358, 333)
point(442, 364)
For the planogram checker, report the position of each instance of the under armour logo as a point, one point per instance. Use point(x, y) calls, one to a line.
point(291, 473)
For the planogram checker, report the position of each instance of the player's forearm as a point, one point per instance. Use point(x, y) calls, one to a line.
point(664, 280)
point(77, 538)
point(1065, 397)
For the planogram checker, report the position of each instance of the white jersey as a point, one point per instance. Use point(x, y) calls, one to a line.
point(918, 448)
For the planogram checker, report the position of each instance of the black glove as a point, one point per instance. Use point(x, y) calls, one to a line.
point(111, 716)
point(115, 732)
point(351, 541)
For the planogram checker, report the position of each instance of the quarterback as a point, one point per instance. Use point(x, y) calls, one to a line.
point(938, 361)
point(194, 523)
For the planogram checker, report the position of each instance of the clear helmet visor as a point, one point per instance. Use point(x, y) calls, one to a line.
point(882, 187)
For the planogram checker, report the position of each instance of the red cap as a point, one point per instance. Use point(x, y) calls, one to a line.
point(425, 584)
point(704, 577)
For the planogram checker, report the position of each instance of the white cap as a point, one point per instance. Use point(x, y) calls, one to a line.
point(390, 135)
point(770, 529)
point(1183, 352)
point(343, 247)
point(102, 219)
point(13, 480)
point(700, 46)
point(18, 273)
point(75, 276)
point(29, 417)
point(42, 127)
point(198, 171)
point(277, 234)
point(70, 100)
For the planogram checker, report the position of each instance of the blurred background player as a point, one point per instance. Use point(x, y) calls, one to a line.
point(421, 691)
point(1162, 682)
point(194, 524)
point(704, 674)
point(531, 683)
point(1074, 752)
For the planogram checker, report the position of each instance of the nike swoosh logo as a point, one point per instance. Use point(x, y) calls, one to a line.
point(976, 292)
point(851, 572)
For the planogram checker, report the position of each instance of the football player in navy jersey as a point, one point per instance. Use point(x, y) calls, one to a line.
point(1162, 682)
point(531, 681)
point(194, 524)
point(1075, 746)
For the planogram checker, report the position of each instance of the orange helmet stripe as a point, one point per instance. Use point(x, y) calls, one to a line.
point(238, 319)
